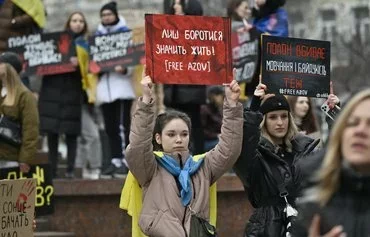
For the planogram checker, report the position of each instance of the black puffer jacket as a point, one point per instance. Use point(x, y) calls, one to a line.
point(60, 103)
point(349, 207)
point(259, 167)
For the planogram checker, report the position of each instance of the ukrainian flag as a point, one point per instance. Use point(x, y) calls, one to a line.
point(33, 8)
point(89, 80)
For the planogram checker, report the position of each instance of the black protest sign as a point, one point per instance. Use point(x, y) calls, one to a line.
point(17, 207)
point(45, 54)
point(245, 52)
point(44, 201)
point(116, 49)
point(298, 67)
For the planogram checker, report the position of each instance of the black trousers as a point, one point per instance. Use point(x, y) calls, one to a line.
point(117, 120)
point(53, 140)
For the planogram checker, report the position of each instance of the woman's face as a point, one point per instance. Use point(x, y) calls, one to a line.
point(107, 17)
point(177, 7)
point(174, 136)
point(243, 10)
point(301, 107)
point(277, 123)
point(356, 138)
point(77, 23)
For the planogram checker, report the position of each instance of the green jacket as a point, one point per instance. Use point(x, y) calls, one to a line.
point(25, 111)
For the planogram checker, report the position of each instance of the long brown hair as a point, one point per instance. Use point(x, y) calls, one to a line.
point(328, 175)
point(11, 81)
point(85, 30)
point(232, 6)
point(309, 121)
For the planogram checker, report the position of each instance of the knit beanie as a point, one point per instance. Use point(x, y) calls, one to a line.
point(277, 102)
point(13, 59)
point(112, 6)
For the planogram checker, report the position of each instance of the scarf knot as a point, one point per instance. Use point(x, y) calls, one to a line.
point(183, 175)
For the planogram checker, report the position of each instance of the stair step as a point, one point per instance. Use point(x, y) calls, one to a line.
point(42, 224)
point(54, 234)
point(62, 169)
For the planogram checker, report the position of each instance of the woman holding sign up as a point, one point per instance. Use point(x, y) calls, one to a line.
point(174, 188)
point(267, 165)
point(115, 94)
point(60, 103)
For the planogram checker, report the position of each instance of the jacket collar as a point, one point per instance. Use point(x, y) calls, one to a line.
point(353, 181)
point(300, 143)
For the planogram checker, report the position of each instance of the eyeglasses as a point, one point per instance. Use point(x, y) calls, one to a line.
point(107, 14)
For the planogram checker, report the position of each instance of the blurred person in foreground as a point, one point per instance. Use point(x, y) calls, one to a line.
point(18, 104)
point(338, 205)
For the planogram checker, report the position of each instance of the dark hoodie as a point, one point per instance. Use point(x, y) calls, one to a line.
point(193, 8)
point(269, 7)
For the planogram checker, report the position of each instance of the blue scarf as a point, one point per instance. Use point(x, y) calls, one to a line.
point(183, 175)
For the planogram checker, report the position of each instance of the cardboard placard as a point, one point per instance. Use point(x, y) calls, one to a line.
point(44, 54)
point(110, 50)
point(188, 49)
point(298, 67)
point(44, 202)
point(17, 207)
point(245, 52)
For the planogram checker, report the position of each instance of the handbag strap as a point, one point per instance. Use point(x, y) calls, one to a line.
point(278, 180)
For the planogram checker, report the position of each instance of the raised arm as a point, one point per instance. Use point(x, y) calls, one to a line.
point(251, 135)
point(223, 156)
point(139, 153)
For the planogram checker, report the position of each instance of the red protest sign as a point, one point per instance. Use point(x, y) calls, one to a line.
point(188, 49)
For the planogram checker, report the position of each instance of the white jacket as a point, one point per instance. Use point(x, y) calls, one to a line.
point(112, 85)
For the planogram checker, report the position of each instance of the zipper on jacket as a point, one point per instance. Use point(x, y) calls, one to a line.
point(183, 222)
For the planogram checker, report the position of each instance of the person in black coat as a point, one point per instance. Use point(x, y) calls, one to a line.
point(188, 98)
point(267, 165)
point(339, 203)
point(60, 104)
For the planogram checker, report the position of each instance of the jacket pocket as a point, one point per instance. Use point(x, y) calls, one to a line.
point(149, 222)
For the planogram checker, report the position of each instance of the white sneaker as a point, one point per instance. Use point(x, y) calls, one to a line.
point(94, 173)
point(86, 173)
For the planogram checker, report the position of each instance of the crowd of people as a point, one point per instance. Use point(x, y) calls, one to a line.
point(174, 141)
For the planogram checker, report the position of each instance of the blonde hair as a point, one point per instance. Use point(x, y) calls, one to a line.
point(11, 81)
point(328, 175)
point(291, 133)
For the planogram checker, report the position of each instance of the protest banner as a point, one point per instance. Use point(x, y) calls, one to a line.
point(110, 50)
point(245, 52)
point(44, 201)
point(44, 54)
point(298, 67)
point(188, 49)
point(17, 207)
